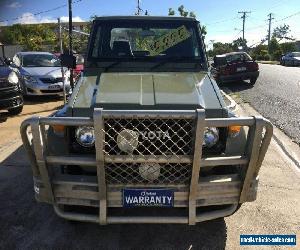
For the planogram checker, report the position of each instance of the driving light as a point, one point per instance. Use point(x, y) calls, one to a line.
point(234, 131)
point(149, 171)
point(211, 137)
point(13, 78)
point(85, 136)
point(128, 140)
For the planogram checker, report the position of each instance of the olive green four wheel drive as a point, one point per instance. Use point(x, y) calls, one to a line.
point(146, 136)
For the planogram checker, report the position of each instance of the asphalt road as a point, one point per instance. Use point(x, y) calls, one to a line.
point(276, 96)
point(26, 224)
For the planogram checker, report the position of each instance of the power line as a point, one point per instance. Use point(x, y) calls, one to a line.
point(222, 21)
point(39, 13)
point(287, 17)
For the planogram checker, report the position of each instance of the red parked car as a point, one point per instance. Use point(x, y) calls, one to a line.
point(235, 66)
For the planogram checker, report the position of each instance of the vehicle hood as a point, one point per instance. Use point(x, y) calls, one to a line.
point(4, 71)
point(297, 58)
point(146, 91)
point(42, 71)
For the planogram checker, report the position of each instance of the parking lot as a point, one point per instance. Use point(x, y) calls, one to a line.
point(26, 224)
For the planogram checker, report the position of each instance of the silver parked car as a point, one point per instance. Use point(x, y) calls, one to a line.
point(41, 73)
point(290, 59)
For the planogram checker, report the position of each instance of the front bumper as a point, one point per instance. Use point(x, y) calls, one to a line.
point(203, 198)
point(46, 89)
point(238, 77)
point(10, 97)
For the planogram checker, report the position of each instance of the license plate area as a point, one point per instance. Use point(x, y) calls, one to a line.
point(240, 69)
point(148, 197)
point(54, 86)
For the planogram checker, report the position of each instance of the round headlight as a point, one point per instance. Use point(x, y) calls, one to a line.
point(211, 137)
point(13, 78)
point(85, 136)
point(128, 140)
point(149, 171)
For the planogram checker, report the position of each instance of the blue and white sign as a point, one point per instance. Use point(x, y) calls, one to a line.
point(148, 197)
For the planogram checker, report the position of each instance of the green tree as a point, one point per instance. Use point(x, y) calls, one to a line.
point(274, 49)
point(171, 12)
point(260, 52)
point(222, 48)
point(182, 12)
point(282, 32)
point(240, 42)
point(288, 47)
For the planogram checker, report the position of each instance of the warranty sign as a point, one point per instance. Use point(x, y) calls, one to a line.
point(168, 40)
point(148, 197)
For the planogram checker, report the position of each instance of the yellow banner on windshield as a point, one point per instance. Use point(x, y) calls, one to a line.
point(168, 40)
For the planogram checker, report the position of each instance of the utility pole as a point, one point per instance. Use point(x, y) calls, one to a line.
point(244, 19)
point(61, 52)
point(139, 9)
point(269, 31)
point(70, 42)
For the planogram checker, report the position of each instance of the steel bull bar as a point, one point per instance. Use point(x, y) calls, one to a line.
point(96, 192)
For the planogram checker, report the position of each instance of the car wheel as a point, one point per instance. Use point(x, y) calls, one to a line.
point(15, 111)
point(253, 80)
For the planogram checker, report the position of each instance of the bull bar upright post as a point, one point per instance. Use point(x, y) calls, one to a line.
point(200, 124)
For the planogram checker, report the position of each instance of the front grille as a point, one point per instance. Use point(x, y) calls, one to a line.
point(4, 83)
point(51, 80)
point(155, 136)
point(51, 91)
point(145, 173)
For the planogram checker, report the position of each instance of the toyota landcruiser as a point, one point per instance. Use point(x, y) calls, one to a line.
point(146, 136)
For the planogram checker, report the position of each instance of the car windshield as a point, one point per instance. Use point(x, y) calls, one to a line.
point(146, 41)
point(238, 58)
point(296, 54)
point(40, 60)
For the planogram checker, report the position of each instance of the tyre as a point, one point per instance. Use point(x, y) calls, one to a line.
point(253, 80)
point(15, 111)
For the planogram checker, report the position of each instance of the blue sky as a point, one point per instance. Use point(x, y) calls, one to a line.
point(220, 16)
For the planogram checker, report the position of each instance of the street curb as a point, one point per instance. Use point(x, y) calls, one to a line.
point(233, 105)
point(290, 149)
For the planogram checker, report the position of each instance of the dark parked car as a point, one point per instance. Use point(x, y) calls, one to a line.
point(235, 66)
point(290, 59)
point(11, 98)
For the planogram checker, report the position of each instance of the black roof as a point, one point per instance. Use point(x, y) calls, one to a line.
point(157, 18)
point(231, 53)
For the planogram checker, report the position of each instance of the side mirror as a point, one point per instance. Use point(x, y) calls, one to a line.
point(68, 61)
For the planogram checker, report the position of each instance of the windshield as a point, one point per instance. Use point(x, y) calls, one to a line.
point(146, 41)
point(242, 57)
point(296, 54)
point(40, 60)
